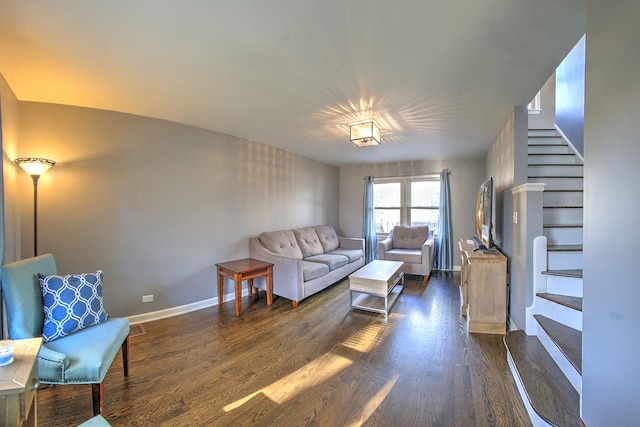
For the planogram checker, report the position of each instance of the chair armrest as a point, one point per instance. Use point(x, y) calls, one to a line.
point(351, 242)
point(384, 246)
point(52, 365)
point(428, 252)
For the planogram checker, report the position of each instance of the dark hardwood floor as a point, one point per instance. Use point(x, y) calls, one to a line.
point(320, 364)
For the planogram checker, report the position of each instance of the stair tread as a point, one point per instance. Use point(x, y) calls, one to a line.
point(577, 272)
point(556, 176)
point(568, 301)
point(564, 248)
point(553, 164)
point(550, 393)
point(568, 340)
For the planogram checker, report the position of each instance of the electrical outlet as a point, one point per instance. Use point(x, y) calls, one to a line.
point(147, 298)
point(515, 217)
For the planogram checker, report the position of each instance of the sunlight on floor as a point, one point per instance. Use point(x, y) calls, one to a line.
point(373, 404)
point(323, 368)
point(308, 376)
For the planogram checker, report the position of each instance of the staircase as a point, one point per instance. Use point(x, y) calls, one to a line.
point(546, 357)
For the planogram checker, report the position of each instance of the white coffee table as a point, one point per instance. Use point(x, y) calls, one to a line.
point(376, 286)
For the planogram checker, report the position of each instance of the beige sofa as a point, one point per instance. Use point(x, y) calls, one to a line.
point(307, 260)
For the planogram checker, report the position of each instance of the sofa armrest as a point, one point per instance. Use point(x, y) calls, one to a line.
point(351, 242)
point(287, 271)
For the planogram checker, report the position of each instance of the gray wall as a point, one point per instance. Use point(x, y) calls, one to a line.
point(611, 319)
point(506, 162)
point(10, 108)
point(570, 77)
point(466, 176)
point(156, 204)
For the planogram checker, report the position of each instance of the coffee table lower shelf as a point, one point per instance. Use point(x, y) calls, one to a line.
point(375, 303)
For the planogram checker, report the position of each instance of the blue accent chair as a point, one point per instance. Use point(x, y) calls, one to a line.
point(83, 357)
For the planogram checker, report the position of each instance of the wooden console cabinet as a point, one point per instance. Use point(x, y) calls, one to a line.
point(483, 289)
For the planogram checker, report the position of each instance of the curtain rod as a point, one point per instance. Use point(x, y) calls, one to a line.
point(431, 175)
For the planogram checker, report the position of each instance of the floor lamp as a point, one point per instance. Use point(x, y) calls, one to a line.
point(36, 167)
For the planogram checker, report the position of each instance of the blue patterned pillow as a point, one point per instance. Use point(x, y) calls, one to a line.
point(71, 303)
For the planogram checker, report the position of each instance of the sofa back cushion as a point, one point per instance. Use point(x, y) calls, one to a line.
point(281, 242)
point(405, 237)
point(328, 237)
point(308, 241)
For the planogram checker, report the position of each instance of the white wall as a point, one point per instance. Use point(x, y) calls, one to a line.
point(466, 176)
point(156, 204)
point(611, 318)
point(546, 119)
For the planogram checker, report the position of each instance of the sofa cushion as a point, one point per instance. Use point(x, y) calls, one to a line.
point(413, 256)
point(328, 237)
point(281, 242)
point(313, 270)
point(330, 260)
point(352, 254)
point(409, 237)
point(71, 303)
point(308, 241)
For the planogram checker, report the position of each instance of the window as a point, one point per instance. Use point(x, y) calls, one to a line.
point(534, 105)
point(406, 201)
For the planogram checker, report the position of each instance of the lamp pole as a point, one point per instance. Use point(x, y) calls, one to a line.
point(35, 167)
point(35, 214)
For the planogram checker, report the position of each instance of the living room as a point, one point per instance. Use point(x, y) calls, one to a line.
point(156, 203)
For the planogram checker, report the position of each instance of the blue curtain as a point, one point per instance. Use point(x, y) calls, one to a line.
point(444, 242)
point(369, 223)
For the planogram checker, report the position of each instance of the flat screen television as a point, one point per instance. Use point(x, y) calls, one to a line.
point(484, 210)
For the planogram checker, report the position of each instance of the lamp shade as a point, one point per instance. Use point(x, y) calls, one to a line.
point(365, 134)
point(35, 166)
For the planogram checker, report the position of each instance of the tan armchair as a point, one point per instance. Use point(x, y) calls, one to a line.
point(412, 245)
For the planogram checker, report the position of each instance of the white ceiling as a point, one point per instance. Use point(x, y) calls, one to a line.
point(440, 77)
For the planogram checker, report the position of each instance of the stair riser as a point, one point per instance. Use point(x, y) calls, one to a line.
point(552, 159)
point(563, 236)
point(564, 260)
point(545, 139)
point(549, 149)
point(559, 313)
point(543, 132)
point(571, 286)
point(575, 184)
point(562, 198)
point(555, 170)
point(561, 360)
point(562, 216)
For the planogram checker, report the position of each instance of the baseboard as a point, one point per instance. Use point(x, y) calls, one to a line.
point(182, 309)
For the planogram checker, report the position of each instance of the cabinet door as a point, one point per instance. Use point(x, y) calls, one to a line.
point(464, 273)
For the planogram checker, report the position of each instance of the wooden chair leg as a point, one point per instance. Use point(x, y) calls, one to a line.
point(125, 356)
point(97, 392)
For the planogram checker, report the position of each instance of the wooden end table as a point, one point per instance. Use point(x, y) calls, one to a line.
point(18, 385)
point(244, 269)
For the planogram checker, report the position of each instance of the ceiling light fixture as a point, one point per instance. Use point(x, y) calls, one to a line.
point(365, 133)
